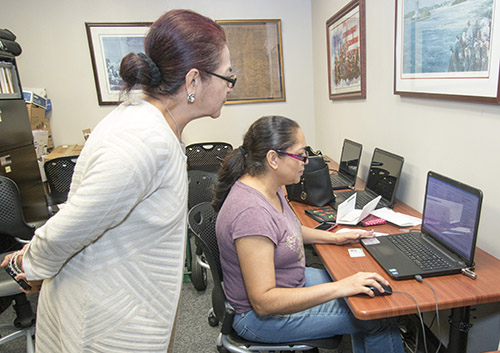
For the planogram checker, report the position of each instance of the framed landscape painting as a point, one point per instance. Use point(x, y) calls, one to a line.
point(447, 49)
point(108, 44)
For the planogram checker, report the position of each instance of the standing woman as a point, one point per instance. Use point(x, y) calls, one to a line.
point(276, 298)
point(112, 259)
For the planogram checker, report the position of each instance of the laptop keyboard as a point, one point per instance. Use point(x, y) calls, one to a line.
point(420, 253)
point(339, 181)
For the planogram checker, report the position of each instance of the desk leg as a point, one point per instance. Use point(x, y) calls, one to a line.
point(459, 329)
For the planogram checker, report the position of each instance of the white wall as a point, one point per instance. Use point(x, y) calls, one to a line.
point(457, 139)
point(56, 57)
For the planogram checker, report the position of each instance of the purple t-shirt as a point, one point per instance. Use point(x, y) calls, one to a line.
point(247, 212)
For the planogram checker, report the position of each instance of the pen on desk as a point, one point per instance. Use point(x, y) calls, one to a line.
point(331, 228)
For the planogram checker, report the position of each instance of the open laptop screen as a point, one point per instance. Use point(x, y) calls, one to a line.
point(384, 174)
point(351, 154)
point(451, 214)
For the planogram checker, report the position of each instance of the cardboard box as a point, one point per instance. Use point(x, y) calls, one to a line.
point(37, 117)
point(64, 150)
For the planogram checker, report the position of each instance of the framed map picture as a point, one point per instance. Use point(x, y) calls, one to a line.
point(257, 60)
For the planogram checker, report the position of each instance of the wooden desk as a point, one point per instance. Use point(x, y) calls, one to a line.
point(456, 292)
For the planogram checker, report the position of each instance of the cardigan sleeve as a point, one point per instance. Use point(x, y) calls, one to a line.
point(114, 181)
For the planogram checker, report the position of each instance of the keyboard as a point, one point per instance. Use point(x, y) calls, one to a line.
point(339, 182)
point(423, 255)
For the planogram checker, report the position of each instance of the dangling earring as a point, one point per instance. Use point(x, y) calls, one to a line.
point(191, 98)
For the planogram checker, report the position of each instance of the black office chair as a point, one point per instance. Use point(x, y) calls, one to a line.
point(200, 190)
point(59, 172)
point(201, 220)
point(13, 226)
point(207, 156)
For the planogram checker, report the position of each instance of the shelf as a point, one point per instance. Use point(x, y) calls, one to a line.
point(9, 83)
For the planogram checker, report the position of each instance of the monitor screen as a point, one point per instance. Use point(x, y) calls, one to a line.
point(384, 174)
point(349, 161)
point(451, 214)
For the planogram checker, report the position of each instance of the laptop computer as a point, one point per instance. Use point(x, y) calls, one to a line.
point(383, 179)
point(449, 231)
point(348, 166)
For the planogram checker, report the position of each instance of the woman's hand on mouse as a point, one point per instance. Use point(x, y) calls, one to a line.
point(359, 284)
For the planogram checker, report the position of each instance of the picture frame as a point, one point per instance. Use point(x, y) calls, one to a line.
point(447, 51)
point(108, 44)
point(345, 33)
point(257, 60)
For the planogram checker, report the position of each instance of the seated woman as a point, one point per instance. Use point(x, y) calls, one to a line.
point(276, 298)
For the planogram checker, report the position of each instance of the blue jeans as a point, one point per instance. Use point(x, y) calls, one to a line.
point(325, 320)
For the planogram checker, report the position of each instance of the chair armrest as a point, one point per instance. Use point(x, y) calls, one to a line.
point(227, 324)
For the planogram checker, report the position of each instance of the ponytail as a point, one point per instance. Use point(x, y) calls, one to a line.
point(232, 169)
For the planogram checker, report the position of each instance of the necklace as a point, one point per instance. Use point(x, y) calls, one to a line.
point(175, 121)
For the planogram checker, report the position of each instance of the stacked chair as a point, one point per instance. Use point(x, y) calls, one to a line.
point(204, 161)
point(59, 172)
point(13, 229)
point(201, 220)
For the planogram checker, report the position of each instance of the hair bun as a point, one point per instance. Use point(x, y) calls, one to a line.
point(155, 71)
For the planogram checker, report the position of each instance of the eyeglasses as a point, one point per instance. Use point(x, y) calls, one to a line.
point(230, 79)
point(299, 157)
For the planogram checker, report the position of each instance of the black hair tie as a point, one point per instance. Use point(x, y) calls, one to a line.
point(155, 71)
point(242, 151)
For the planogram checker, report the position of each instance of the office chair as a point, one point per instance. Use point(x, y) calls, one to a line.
point(207, 156)
point(200, 190)
point(59, 172)
point(201, 220)
point(13, 226)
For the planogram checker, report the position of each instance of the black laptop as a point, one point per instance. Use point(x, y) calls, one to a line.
point(345, 178)
point(383, 179)
point(448, 236)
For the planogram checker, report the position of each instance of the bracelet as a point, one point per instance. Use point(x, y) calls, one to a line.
point(14, 265)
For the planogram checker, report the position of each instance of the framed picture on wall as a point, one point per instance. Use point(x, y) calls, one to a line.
point(345, 33)
point(447, 50)
point(257, 60)
point(108, 44)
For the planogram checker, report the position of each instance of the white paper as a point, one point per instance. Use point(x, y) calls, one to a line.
point(345, 230)
point(348, 214)
point(400, 219)
point(356, 252)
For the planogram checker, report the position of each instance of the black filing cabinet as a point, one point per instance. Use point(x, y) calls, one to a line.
point(18, 159)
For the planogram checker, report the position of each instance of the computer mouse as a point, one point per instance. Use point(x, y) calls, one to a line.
point(387, 290)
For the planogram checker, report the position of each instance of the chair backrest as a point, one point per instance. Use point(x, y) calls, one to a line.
point(207, 156)
point(201, 221)
point(12, 221)
point(200, 187)
point(59, 172)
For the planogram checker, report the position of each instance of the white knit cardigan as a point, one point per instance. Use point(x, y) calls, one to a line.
point(112, 258)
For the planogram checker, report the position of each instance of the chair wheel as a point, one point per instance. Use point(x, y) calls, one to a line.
point(198, 275)
point(222, 349)
point(212, 320)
